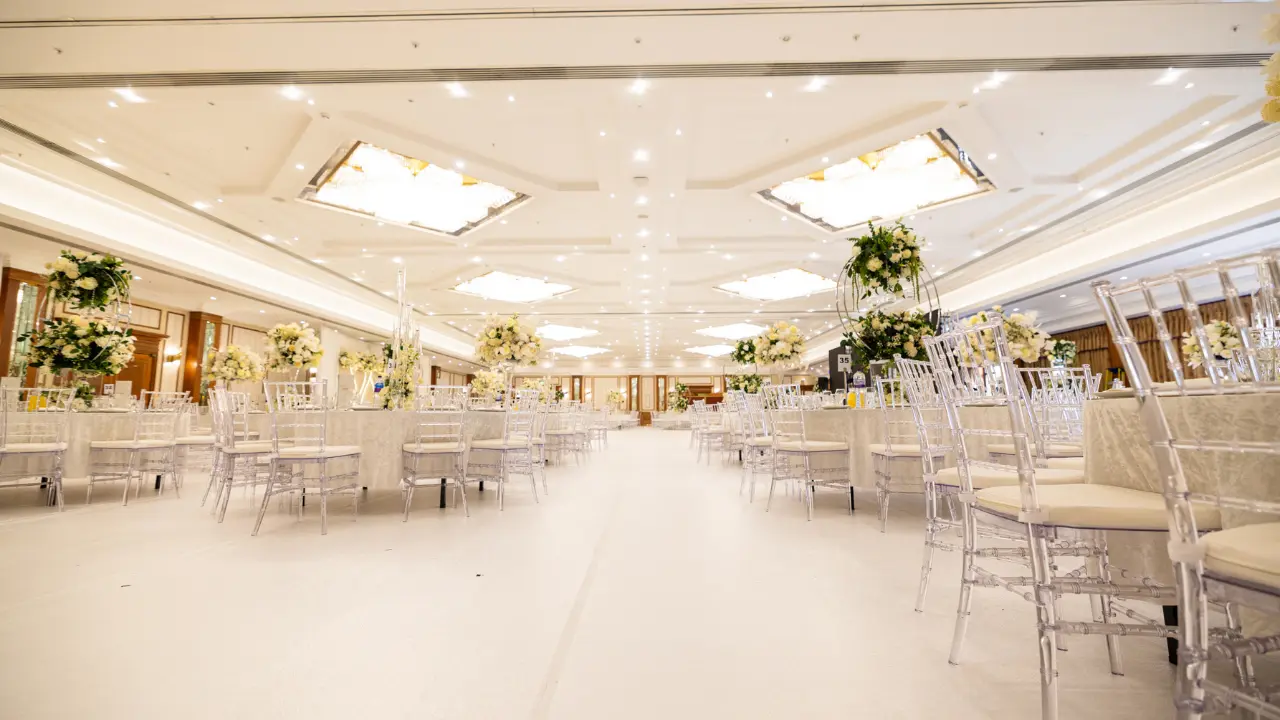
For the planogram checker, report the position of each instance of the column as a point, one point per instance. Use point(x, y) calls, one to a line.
point(331, 342)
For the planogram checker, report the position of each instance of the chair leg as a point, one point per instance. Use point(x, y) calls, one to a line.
point(1105, 606)
point(128, 477)
point(930, 533)
point(882, 499)
point(266, 498)
point(1046, 619)
point(213, 477)
point(969, 532)
point(324, 500)
point(408, 497)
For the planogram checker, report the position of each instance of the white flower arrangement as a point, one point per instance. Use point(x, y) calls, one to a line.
point(1223, 339)
point(487, 384)
point(616, 399)
point(234, 363)
point(747, 383)
point(781, 343)
point(359, 362)
point(1027, 342)
point(86, 346)
point(887, 260)
point(88, 281)
point(292, 346)
point(504, 341)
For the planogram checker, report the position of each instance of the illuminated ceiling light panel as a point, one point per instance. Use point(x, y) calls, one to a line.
point(782, 285)
point(579, 351)
point(711, 350)
point(736, 331)
point(498, 285)
point(925, 171)
point(563, 332)
point(377, 183)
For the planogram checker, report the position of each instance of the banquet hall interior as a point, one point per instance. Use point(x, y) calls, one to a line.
point(644, 359)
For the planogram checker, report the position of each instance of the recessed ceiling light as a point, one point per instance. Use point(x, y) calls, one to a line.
point(678, 131)
point(815, 84)
point(291, 92)
point(397, 260)
point(564, 332)
point(212, 297)
point(459, 164)
point(318, 261)
point(269, 238)
point(477, 259)
point(644, 232)
point(511, 98)
point(711, 350)
point(644, 257)
point(1062, 296)
point(112, 104)
point(779, 285)
point(671, 195)
point(768, 94)
point(130, 95)
point(602, 133)
point(642, 200)
point(826, 159)
point(262, 312)
point(814, 256)
point(1124, 277)
point(889, 183)
point(559, 258)
point(456, 89)
point(979, 253)
point(386, 185)
point(991, 156)
point(1188, 86)
point(737, 331)
point(639, 87)
point(201, 205)
point(107, 162)
point(310, 101)
point(100, 140)
point(137, 277)
point(299, 166)
point(640, 155)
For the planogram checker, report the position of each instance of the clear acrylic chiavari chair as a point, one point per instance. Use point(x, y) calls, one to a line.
point(1056, 399)
point(237, 462)
point(1215, 445)
point(899, 458)
point(439, 436)
point(757, 455)
point(33, 434)
point(195, 448)
point(299, 443)
point(562, 431)
point(150, 451)
point(496, 459)
point(813, 463)
point(1054, 512)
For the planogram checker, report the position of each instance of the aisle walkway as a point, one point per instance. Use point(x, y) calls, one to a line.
point(644, 587)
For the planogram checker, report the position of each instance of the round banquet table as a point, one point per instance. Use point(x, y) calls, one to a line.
point(378, 433)
point(863, 427)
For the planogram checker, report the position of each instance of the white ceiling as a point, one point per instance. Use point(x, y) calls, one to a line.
point(1059, 146)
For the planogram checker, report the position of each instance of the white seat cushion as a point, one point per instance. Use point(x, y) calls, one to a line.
point(512, 443)
point(561, 432)
point(812, 445)
point(1250, 553)
point(248, 448)
point(1052, 450)
point(33, 447)
point(1094, 506)
point(195, 440)
point(1066, 463)
point(314, 452)
point(985, 477)
point(760, 442)
point(431, 448)
point(897, 449)
point(130, 444)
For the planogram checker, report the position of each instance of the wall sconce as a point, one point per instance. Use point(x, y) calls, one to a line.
point(172, 356)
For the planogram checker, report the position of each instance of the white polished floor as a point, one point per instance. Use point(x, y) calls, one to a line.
point(643, 587)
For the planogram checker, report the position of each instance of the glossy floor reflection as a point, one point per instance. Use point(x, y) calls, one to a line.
point(643, 587)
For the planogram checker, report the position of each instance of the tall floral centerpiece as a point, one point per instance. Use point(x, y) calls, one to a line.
point(235, 364)
point(488, 385)
point(292, 347)
point(744, 352)
point(402, 375)
point(361, 365)
point(1062, 353)
point(94, 341)
point(885, 260)
point(504, 344)
point(883, 336)
point(545, 393)
point(750, 383)
point(678, 398)
point(616, 399)
point(781, 344)
point(1027, 342)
